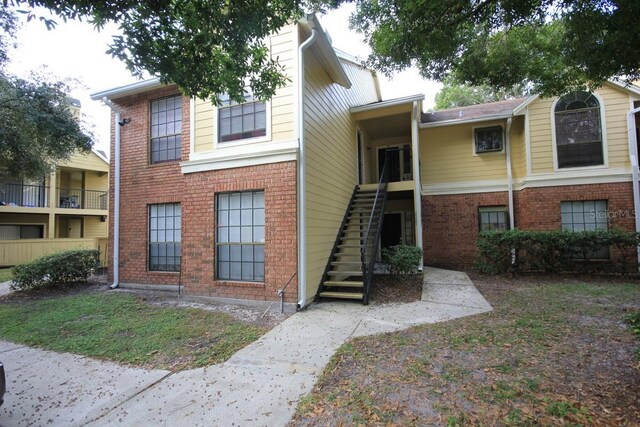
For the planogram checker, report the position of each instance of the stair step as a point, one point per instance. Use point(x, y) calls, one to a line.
point(346, 262)
point(343, 272)
point(344, 295)
point(352, 238)
point(344, 283)
point(349, 246)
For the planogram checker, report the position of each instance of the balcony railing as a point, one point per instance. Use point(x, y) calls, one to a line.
point(82, 199)
point(35, 196)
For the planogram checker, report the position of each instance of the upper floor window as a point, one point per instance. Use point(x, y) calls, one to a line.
point(488, 139)
point(578, 130)
point(166, 128)
point(241, 121)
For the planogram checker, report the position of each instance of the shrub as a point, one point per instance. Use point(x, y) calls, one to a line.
point(515, 251)
point(61, 268)
point(402, 259)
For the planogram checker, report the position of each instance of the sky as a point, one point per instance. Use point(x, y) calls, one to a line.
point(76, 50)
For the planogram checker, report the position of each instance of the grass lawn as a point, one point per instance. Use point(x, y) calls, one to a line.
point(5, 274)
point(124, 328)
point(553, 352)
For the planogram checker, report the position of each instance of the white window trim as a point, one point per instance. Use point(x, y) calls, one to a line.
point(486, 153)
point(222, 145)
point(603, 130)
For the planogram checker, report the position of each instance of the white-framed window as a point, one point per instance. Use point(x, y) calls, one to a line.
point(578, 130)
point(247, 120)
point(240, 236)
point(165, 240)
point(166, 129)
point(589, 215)
point(493, 218)
point(488, 139)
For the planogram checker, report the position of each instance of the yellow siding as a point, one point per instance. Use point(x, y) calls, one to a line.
point(518, 148)
point(13, 252)
point(94, 227)
point(447, 155)
point(616, 105)
point(90, 161)
point(282, 104)
point(330, 157)
point(96, 181)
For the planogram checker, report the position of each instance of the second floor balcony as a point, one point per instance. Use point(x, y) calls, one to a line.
point(39, 196)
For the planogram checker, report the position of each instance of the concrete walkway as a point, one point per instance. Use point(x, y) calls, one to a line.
point(259, 386)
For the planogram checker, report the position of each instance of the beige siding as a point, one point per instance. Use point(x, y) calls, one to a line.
point(13, 252)
point(616, 104)
point(282, 104)
point(518, 148)
point(447, 155)
point(94, 227)
point(330, 157)
point(90, 161)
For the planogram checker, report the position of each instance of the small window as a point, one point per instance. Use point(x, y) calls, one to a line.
point(166, 129)
point(488, 139)
point(240, 236)
point(578, 130)
point(493, 218)
point(16, 232)
point(241, 121)
point(587, 215)
point(165, 237)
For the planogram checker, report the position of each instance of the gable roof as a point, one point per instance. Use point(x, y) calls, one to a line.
point(479, 112)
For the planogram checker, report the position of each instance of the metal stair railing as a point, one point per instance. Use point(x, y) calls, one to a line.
point(371, 236)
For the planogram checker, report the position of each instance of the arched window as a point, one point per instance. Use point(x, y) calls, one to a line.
point(578, 130)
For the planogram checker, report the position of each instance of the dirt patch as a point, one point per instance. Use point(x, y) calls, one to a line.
point(388, 288)
point(553, 352)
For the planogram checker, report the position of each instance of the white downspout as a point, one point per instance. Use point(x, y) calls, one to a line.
point(116, 196)
point(417, 199)
point(509, 173)
point(302, 205)
point(633, 157)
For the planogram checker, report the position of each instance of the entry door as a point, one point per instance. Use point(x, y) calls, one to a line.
point(391, 230)
point(392, 156)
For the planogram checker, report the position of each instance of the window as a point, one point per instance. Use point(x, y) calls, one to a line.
point(164, 237)
point(15, 232)
point(578, 130)
point(241, 121)
point(493, 218)
point(586, 216)
point(166, 128)
point(488, 139)
point(240, 236)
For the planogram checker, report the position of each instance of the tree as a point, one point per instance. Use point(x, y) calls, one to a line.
point(555, 45)
point(454, 94)
point(209, 47)
point(38, 125)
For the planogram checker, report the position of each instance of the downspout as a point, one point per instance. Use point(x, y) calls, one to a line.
point(417, 199)
point(633, 157)
point(302, 211)
point(509, 173)
point(116, 196)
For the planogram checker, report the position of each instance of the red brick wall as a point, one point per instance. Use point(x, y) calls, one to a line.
point(450, 222)
point(143, 184)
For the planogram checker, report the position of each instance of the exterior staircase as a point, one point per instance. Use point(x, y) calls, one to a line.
point(350, 268)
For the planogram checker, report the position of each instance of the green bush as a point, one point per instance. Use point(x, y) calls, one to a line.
point(61, 268)
point(514, 251)
point(402, 259)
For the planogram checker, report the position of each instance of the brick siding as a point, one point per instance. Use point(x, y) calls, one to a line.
point(143, 184)
point(451, 224)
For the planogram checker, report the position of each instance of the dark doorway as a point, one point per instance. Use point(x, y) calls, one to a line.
point(391, 230)
point(392, 157)
point(360, 158)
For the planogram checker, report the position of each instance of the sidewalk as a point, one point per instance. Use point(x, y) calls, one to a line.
point(258, 386)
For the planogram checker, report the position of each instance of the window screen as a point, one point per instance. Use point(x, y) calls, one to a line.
point(241, 121)
point(493, 218)
point(578, 130)
point(488, 139)
point(166, 128)
point(165, 237)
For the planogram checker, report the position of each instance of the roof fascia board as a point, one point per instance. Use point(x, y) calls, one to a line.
point(462, 122)
point(519, 110)
point(385, 104)
point(130, 89)
point(630, 88)
point(328, 56)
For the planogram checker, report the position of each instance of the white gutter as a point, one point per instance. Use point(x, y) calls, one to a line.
point(388, 103)
point(633, 157)
point(509, 172)
point(116, 196)
point(465, 121)
point(126, 90)
point(302, 205)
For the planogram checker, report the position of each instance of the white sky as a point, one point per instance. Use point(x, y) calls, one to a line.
point(75, 50)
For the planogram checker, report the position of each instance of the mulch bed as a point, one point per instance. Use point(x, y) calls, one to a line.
point(389, 288)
